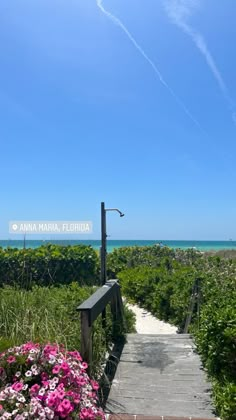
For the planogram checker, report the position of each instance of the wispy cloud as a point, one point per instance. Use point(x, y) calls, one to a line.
point(179, 11)
point(118, 22)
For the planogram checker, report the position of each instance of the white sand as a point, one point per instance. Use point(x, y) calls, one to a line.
point(146, 323)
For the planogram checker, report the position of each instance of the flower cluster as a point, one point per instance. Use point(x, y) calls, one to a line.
point(46, 382)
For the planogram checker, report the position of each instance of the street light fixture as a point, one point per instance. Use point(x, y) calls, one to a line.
point(104, 240)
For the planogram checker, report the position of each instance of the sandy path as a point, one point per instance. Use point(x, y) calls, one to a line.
point(146, 323)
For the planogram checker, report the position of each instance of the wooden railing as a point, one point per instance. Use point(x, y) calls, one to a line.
point(194, 300)
point(92, 307)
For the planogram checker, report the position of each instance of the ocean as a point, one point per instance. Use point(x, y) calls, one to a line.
point(112, 244)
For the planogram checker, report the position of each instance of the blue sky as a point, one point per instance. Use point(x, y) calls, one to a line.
point(85, 117)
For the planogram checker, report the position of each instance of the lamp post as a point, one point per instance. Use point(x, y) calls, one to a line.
point(104, 240)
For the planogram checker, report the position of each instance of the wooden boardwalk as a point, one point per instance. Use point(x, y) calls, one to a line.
point(161, 376)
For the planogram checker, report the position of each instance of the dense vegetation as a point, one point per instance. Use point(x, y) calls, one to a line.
point(49, 265)
point(161, 280)
point(48, 314)
point(40, 291)
point(41, 288)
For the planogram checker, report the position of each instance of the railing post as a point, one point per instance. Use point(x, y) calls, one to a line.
point(117, 308)
point(91, 308)
point(86, 339)
point(193, 299)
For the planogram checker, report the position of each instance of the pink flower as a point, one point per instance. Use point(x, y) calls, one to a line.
point(75, 355)
point(11, 359)
point(69, 393)
point(34, 389)
point(61, 395)
point(61, 387)
point(81, 381)
point(17, 386)
point(51, 350)
point(87, 414)
point(56, 369)
point(65, 408)
point(76, 398)
point(51, 401)
point(65, 367)
point(84, 365)
point(29, 346)
point(44, 376)
point(94, 385)
point(45, 384)
point(59, 391)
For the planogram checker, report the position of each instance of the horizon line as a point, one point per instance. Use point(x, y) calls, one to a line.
point(136, 239)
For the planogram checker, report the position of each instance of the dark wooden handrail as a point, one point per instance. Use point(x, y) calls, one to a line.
point(91, 308)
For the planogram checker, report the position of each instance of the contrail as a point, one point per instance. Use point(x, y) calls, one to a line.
point(118, 22)
point(178, 11)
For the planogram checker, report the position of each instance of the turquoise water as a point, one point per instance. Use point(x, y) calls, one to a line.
point(111, 244)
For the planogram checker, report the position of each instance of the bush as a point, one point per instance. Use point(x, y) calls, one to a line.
point(49, 265)
point(150, 256)
point(46, 382)
point(216, 340)
point(160, 290)
point(48, 314)
point(164, 287)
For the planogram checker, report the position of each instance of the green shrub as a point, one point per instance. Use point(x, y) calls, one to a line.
point(48, 314)
point(216, 338)
point(160, 290)
point(165, 288)
point(150, 256)
point(49, 265)
point(224, 395)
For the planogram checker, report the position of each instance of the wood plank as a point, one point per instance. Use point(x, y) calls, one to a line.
point(160, 375)
point(96, 303)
